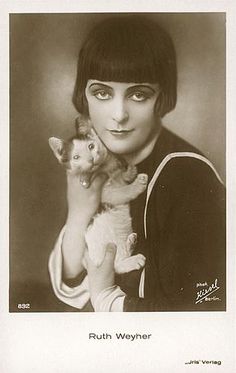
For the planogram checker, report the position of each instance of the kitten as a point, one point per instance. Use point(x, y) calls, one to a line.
point(85, 155)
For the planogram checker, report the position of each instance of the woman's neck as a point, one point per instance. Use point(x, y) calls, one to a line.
point(138, 157)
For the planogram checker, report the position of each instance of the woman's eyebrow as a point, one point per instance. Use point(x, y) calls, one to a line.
point(100, 85)
point(140, 86)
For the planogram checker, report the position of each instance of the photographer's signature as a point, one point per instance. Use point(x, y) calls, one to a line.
point(204, 294)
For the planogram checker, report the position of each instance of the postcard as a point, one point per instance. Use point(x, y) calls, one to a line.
point(117, 186)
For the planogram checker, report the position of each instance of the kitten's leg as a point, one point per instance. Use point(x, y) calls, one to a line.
point(103, 231)
point(114, 195)
point(126, 262)
point(132, 263)
point(130, 174)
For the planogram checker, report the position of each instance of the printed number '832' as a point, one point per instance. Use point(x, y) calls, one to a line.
point(23, 305)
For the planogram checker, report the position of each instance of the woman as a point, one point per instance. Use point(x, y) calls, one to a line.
point(126, 83)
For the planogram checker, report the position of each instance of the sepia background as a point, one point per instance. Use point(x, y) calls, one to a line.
point(43, 60)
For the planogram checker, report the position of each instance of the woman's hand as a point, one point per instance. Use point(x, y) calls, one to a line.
point(103, 276)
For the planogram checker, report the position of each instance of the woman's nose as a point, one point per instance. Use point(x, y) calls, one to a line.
point(120, 113)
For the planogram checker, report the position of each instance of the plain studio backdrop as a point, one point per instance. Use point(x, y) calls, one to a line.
point(43, 54)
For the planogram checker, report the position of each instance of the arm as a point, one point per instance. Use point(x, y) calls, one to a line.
point(68, 277)
point(82, 206)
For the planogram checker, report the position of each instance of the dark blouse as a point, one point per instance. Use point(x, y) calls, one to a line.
point(185, 244)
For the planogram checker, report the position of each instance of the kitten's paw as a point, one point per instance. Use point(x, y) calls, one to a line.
point(139, 261)
point(143, 178)
point(140, 184)
point(132, 263)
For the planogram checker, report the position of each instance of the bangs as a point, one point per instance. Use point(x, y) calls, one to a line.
point(129, 49)
point(128, 60)
point(131, 68)
point(121, 51)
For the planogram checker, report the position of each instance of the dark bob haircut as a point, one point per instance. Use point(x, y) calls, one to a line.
point(127, 49)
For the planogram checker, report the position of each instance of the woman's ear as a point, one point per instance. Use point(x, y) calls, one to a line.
point(58, 147)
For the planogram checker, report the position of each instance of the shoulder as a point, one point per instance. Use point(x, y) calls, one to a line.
point(170, 142)
point(181, 158)
point(188, 176)
point(180, 168)
point(190, 168)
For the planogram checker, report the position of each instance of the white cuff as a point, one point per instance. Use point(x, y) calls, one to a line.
point(110, 300)
point(76, 297)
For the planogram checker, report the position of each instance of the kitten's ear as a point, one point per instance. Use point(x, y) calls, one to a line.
point(83, 125)
point(58, 147)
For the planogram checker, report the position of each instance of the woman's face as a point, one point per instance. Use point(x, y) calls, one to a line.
point(123, 114)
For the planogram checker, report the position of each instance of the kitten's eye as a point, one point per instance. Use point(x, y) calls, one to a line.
point(76, 157)
point(91, 146)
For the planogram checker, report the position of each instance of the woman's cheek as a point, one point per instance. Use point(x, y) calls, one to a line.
point(98, 117)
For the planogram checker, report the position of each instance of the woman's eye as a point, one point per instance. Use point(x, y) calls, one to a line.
point(76, 156)
point(91, 146)
point(139, 96)
point(102, 95)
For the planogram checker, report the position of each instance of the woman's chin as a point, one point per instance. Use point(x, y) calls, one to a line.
point(119, 150)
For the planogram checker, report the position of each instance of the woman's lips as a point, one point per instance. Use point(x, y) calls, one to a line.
point(120, 133)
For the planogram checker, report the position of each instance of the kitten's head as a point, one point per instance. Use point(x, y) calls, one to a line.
point(82, 155)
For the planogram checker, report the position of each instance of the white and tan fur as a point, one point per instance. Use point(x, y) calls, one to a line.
point(83, 157)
